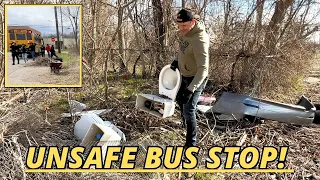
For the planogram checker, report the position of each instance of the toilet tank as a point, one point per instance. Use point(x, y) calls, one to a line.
point(168, 105)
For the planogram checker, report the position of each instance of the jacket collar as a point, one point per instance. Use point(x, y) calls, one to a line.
point(198, 27)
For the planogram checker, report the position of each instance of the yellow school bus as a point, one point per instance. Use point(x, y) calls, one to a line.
point(24, 35)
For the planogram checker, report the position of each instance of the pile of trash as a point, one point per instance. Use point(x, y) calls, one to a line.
point(91, 129)
point(41, 61)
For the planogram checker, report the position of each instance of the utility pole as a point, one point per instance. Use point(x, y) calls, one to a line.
point(57, 28)
point(61, 29)
point(76, 33)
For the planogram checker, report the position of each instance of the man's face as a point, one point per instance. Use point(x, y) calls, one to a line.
point(185, 27)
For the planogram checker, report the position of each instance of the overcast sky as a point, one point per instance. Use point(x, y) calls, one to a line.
point(41, 18)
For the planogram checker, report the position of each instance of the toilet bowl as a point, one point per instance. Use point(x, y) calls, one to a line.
point(169, 84)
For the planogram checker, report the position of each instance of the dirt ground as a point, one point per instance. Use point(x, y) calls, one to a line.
point(312, 83)
point(30, 73)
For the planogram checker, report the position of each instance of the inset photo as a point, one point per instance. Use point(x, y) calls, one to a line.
point(43, 45)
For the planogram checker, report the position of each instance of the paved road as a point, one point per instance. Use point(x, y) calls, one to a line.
point(20, 74)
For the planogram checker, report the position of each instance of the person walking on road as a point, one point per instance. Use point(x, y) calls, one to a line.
point(32, 48)
point(42, 50)
point(53, 52)
point(14, 52)
point(24, 53)
point(48, 50)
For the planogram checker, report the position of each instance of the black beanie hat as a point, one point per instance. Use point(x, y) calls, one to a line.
point(184, 16)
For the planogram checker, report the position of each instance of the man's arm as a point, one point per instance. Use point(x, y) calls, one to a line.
point(201, 53)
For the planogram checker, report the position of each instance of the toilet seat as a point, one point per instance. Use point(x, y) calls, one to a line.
point(169, 82)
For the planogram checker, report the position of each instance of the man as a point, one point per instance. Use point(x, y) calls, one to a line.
point(32, 48)
point(193, 63)
point(24, 53)
point(48, 50)
point(14, 52)
point(42, 50)
point(53, 52)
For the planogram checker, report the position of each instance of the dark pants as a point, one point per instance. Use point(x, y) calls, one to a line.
point(54, 54)
point(33, 54)
point(42, 53)
point(189, 109)
point(15, 54)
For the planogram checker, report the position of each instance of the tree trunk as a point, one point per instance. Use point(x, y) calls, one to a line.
point(108, 52)
point(258, 25)
point(260, 4)
point(227, 10)
point(246, 77)
point(303, 23)
point(121, 40)
point(141, 55)
point(57, 29)
point(183, 2)
point(273, 28)
point(74, 23)
point(94, 34)
point(2, 53)
point(159, 29)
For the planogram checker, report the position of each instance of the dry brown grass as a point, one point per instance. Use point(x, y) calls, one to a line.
point(38, 122)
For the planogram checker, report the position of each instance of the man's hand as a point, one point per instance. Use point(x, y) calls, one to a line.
point(174, 65)
point(186, 96)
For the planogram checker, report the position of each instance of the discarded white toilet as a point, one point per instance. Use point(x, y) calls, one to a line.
point(90, 124)
point(102, 133)
point(81, 127)
point(92, 130)
point(162, 105)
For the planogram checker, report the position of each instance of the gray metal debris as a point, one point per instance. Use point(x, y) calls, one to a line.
point(241, 105)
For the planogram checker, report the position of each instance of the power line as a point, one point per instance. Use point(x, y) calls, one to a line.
point(36, 25)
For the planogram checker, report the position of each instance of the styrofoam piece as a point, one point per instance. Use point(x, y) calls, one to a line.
point(168, 105)
point(81, 127)
point(204, 108)
point(77, 106)
point(169, 82)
